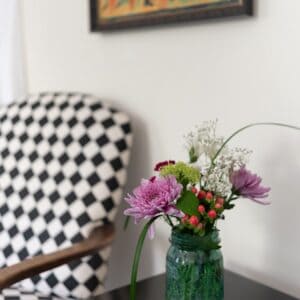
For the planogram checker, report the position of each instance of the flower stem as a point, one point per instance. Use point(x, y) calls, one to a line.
point(170, 221)
point(248, 126)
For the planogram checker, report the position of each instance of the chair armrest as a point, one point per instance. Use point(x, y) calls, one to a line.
point(98, 239)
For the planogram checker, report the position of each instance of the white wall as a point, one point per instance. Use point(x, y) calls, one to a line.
point(171, 78)
point(12, 60)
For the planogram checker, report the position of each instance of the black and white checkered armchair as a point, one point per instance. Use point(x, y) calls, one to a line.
point(63, 160)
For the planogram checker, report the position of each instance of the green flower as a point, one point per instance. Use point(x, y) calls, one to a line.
point(184, 173)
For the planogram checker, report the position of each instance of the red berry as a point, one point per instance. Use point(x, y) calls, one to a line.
point(220, 201)
point(201, 209)
point(185, 218)
point(218, 206)
point(194, 190)
point(200, 226)
point(209, 196)
point(201, 195)
point(194, 220)
point(212, 214)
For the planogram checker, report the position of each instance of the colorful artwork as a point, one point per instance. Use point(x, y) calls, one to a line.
point(119, 8)
point(112, 14)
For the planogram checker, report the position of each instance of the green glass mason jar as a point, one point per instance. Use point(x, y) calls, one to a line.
point(193, 273)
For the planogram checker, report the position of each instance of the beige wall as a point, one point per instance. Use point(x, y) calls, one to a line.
point(170, 78)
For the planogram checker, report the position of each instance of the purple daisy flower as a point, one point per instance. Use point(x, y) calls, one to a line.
point(154, 197)
point(247, 184)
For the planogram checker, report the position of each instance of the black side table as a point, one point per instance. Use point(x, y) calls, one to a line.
point(236, 288)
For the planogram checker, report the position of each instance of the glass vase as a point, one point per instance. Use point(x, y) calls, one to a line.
point(193, 273)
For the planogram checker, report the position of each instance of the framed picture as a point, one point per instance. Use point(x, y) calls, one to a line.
point(118, 14)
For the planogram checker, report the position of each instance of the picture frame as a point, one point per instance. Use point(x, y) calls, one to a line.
point(121, 14)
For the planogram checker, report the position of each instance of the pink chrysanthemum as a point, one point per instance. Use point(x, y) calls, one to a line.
point(154, 197)
point(247, 184)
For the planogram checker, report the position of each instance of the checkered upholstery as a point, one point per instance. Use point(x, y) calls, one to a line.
point(63, 160)
point(15, 294)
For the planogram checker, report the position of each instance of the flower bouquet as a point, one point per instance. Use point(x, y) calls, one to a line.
point(191, 197)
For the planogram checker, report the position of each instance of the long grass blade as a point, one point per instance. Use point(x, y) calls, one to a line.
point(248, 126)
point(137, 256)
point(126, 222)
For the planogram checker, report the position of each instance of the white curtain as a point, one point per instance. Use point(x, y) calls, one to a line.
point(12, 69)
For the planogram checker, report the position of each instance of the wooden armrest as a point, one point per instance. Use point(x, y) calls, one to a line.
point(98, 239)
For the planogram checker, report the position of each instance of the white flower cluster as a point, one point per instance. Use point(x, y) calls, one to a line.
point(217, 179)
point(203, 139)
point(203, 143)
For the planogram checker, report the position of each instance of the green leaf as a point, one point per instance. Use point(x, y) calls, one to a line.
point(126, 222)
point(188, 203)
point(228, 205)
point(137, 256)
point(210, 242)
point(192, 155)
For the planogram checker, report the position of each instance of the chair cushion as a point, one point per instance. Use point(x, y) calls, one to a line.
point(63, 160)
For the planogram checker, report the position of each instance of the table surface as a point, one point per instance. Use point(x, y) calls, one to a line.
point(236, 288)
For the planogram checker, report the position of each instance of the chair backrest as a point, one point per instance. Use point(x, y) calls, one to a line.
point(63, 160)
